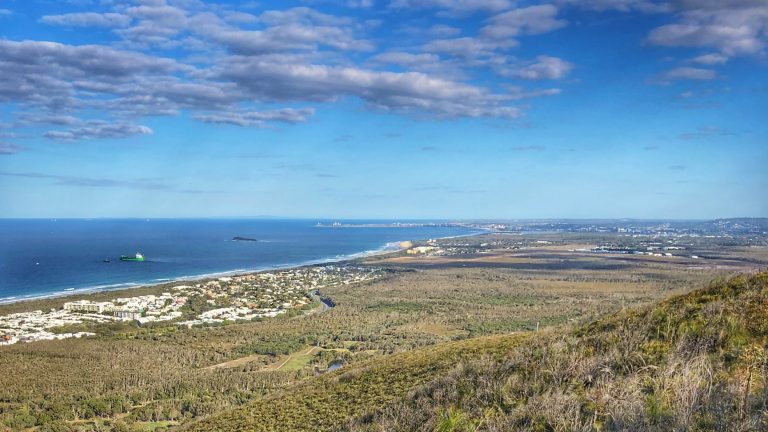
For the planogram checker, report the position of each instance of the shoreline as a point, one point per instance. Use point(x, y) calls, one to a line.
point(388, 248)
point(128, 286)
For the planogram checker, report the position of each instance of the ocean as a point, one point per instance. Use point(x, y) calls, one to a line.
point(48, 257)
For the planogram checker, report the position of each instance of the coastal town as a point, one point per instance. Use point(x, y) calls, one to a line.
point(216, 301)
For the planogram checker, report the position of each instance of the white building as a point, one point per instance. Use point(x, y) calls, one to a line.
point(128, 314)
point(88, 306)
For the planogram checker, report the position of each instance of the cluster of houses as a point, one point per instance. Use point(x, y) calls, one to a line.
point(246, 297)
point(220, 315)
point(447, 247)
point(418, 250)
point(142, 309)
point(648, 249)
point(38, 325)
point(266, 295)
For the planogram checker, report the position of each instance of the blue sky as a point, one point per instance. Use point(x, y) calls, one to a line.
point(384, 108)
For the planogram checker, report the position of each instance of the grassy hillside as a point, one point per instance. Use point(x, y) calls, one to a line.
point(694, 362)
point(327, 401)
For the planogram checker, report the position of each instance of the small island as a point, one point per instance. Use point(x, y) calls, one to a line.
point(238, 238)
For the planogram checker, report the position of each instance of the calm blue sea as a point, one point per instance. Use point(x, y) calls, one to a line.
point(47, 257)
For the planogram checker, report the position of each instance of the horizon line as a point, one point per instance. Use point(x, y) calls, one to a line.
point(395, 219)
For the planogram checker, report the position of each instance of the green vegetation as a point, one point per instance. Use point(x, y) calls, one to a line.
point(408, 328)
point(327, 401)
point(298, 361)
point(696, 362)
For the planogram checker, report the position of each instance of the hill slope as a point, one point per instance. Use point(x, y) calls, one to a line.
point(694, 362)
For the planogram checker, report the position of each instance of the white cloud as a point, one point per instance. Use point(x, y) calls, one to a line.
point(302, 15)
point(543, 68)
point(86, 60)
point(7, 148)
point(99, 130)
point(407, 59)
point(517, 92)
point(297, 29)
point(688, 73)
point(469, 47)
point(257, 118)
point(360, 3)
point(50, 119)
point(48, 74)
point(226, 62)
point(454, 5)
point(531, 20)
point(442, 30)
point(710, 59)
point(647, 6)
point(88, 19)
point(287, 37)
point(733, 29)
point(391, 91)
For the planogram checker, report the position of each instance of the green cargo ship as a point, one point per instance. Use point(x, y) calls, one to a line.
point(138, 257)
